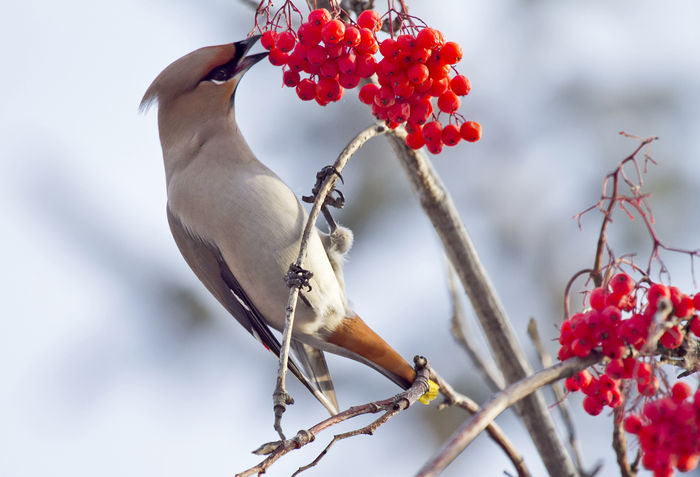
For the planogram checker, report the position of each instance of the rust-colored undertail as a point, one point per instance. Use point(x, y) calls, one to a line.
point(355, 336)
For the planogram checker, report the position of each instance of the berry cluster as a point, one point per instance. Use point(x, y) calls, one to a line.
point(334, 54)
point(325, 56)
point(668, 430)
point(625, 330)
point(413, 70)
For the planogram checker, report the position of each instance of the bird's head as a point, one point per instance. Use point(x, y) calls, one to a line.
point(205, 79)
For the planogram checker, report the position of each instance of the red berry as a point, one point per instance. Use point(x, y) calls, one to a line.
point(348, 81)
point(687, 462)
point(365, 66)
point(611, 315)
point(389, 49)
point(571, 385)
point(695, 325)
point(470, 131)
point(421, 111)
point(615, 369)
point(680, 392)
point(448, 102)
point(332, 32)
point(352, 36)
point(406, 42)
point(285, 41)
point(450, 135)
point(672, 338)
point(415, 139)
point(649, 388)
point(676, 295)
point(278, 57)
point(656, 292)
point(633, 424)
point(309, 35)
point(427, 38)
point(592, 405)
point(306, 89)
point(460, 85)
point(329, 89)
point(370, 19)
point(385, 98)
point(622, 283)
point(329, 69)
point(432, 132)
point(420, 55)
point(684, 308)
point(347, 63)
point(434, 147)
point(451, 53)
point(317, 55)
point(439, 72)
point(319, 17)
point(696, 301)
point(291, 78)
point(404, 90)
point(368, 43)
point(597, 298)
point(417, 73)
point(581, 347)
point(438, 86)
point(399, 112)
point(267, 40)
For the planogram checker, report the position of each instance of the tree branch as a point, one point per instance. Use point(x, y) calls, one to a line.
point(453, 398)
point(509, 356)
point(280, 396)
point(468, 431)
point(391, 407)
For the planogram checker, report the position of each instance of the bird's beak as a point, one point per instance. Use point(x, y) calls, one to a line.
point(243, 46)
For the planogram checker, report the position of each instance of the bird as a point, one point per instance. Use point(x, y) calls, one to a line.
point(239, 226)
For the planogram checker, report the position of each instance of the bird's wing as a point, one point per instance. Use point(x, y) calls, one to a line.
point(206, 261)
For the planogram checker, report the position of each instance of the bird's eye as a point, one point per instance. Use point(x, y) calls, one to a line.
point(219, 75)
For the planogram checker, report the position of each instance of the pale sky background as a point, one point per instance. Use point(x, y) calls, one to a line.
point(115, 361)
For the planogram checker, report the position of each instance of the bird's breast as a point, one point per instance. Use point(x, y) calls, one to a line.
point(256, 222)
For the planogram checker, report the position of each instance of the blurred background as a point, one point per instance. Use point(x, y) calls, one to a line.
point(115, 361)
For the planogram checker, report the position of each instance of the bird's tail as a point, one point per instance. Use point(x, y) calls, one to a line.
point(359, 342)
point(314, 363)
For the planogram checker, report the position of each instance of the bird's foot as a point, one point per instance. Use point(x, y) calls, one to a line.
point(339, 201)
point(298, 277)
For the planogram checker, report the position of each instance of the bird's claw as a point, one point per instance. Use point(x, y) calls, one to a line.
point(298, 277)
point(321, 176)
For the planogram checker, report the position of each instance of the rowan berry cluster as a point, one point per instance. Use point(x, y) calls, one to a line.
point(668, 430)
point(632, 334)
point(326, 55)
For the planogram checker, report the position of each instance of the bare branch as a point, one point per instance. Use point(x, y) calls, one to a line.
point(460, 330)
point(468, 431)
point(453, 398)
point(559, 395)
point(509, 356)
point(620, 443)
point(390, 406)
point(280, 396)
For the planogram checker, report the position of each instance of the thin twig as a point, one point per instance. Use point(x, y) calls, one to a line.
point(454, 398)
point(620, 443)
point(280, 396)
point(488, 370)
point(403, 400)
point(509, 356)
point(559, 395)
point(468, 431)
